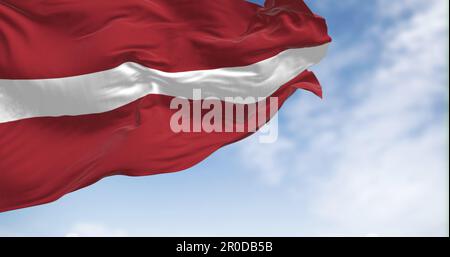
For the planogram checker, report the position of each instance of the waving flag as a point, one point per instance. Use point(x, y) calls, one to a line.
point(86, 86)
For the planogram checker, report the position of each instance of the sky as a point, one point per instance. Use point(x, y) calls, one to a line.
point(369, 159)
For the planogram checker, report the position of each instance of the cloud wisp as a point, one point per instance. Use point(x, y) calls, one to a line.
point(372, 155)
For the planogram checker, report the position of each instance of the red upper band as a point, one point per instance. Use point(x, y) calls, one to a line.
point(54, 38)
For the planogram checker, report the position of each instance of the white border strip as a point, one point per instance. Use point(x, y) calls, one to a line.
point(107, 90)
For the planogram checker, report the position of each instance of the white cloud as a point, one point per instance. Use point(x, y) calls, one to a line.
point(260, 158)
point(94, 230)
point(373, 153)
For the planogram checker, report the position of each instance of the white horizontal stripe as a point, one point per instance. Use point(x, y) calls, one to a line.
point(107, 90)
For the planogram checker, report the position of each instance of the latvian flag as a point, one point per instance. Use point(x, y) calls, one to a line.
point(87, 88)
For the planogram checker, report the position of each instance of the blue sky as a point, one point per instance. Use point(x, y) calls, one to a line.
point(368, 159)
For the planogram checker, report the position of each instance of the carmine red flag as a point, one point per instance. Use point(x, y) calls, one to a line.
point(86, 86)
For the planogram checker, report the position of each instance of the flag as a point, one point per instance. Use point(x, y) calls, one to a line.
point(86, 87)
